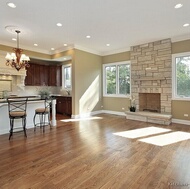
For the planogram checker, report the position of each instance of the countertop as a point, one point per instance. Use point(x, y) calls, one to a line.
point(35, 98)
point(30, 98)
point(58, 95)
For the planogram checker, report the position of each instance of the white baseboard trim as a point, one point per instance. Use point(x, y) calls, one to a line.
point(114, 112)
point(97, 112)
point(181, 121)
point(86, 114)
point(4, 131)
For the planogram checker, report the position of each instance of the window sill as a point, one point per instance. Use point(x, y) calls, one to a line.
point(181, 99)
point(117, 96)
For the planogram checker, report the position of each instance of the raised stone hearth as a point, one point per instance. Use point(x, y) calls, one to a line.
point(150, 117)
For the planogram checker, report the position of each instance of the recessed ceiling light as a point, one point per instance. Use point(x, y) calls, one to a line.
point(52, 49)
point(65, 44)
point(177, 6)
point(107, 44)
point(12, 5)
point(14, 39)
point(185, 25)
point(35, 44)
point(59, 24)
point(88, 36)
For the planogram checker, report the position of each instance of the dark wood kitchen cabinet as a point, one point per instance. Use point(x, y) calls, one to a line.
point(36, 75)
point(44, 72)
point(68, 109)
point(33, 74)
point(29, 75)
point(40, 75)
point(55, 75)
point(64, 105)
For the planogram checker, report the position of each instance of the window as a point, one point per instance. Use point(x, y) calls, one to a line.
point(67, 77)
point(181, 75)
point(116, 79)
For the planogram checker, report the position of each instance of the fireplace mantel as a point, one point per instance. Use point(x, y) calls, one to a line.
point(139, 81)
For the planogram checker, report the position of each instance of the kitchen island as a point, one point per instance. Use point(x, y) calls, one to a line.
point(32, 104)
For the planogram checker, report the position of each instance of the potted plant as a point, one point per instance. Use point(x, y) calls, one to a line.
point(44, 93)
point(132, 108)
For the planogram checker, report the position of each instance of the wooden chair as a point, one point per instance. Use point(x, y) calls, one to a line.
point(44, 115)
point(17, 110)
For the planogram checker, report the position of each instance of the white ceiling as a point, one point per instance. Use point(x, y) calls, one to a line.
point(121, 23)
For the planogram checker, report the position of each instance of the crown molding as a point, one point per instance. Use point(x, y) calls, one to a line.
point(116, 51)
point(180, 38)
point(87, 50)
point(62, 49)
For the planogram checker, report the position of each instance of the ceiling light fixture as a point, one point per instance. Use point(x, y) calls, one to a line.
point(12, 5)
point(52, 49)
point(35, 44)
point(59, 24)
point(108, 45)
point(88, 36)
point(17, 60)
point(185, 25)
point(177, 6)
point(65, 44)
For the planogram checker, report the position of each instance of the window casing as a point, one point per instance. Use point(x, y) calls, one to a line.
point(67, 76)
point(181, 76)
point(117, 79)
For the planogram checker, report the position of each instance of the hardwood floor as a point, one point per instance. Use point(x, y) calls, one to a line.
point(85, 154)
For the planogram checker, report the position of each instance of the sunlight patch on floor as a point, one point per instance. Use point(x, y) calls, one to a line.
point(166, 139)
point(80, 119)
point(136, 133)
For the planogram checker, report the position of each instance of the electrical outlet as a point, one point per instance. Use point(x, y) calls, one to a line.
point(186, 115)
point(101, 106)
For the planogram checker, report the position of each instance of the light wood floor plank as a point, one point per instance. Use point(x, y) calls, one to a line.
point(86, 154)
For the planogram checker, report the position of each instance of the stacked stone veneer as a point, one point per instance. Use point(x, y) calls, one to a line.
point(151, 71)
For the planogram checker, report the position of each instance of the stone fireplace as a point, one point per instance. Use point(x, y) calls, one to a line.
point(151, 76)
point(149, 102)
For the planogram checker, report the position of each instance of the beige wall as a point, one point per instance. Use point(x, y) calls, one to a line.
point(87, 82)
point(181, 46)
point(179, 108)
point(116, 104)
point(119, 57)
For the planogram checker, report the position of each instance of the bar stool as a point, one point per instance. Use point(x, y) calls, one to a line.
point(44, 115)
point(17, 110)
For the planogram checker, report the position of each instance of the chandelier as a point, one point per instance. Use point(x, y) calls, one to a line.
point(16, 59)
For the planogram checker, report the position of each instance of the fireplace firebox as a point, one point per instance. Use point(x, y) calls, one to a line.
point(149, 102)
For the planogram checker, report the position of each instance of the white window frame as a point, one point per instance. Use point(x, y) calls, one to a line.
point(174, 90)
point(117, 87)
point(63, 76)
